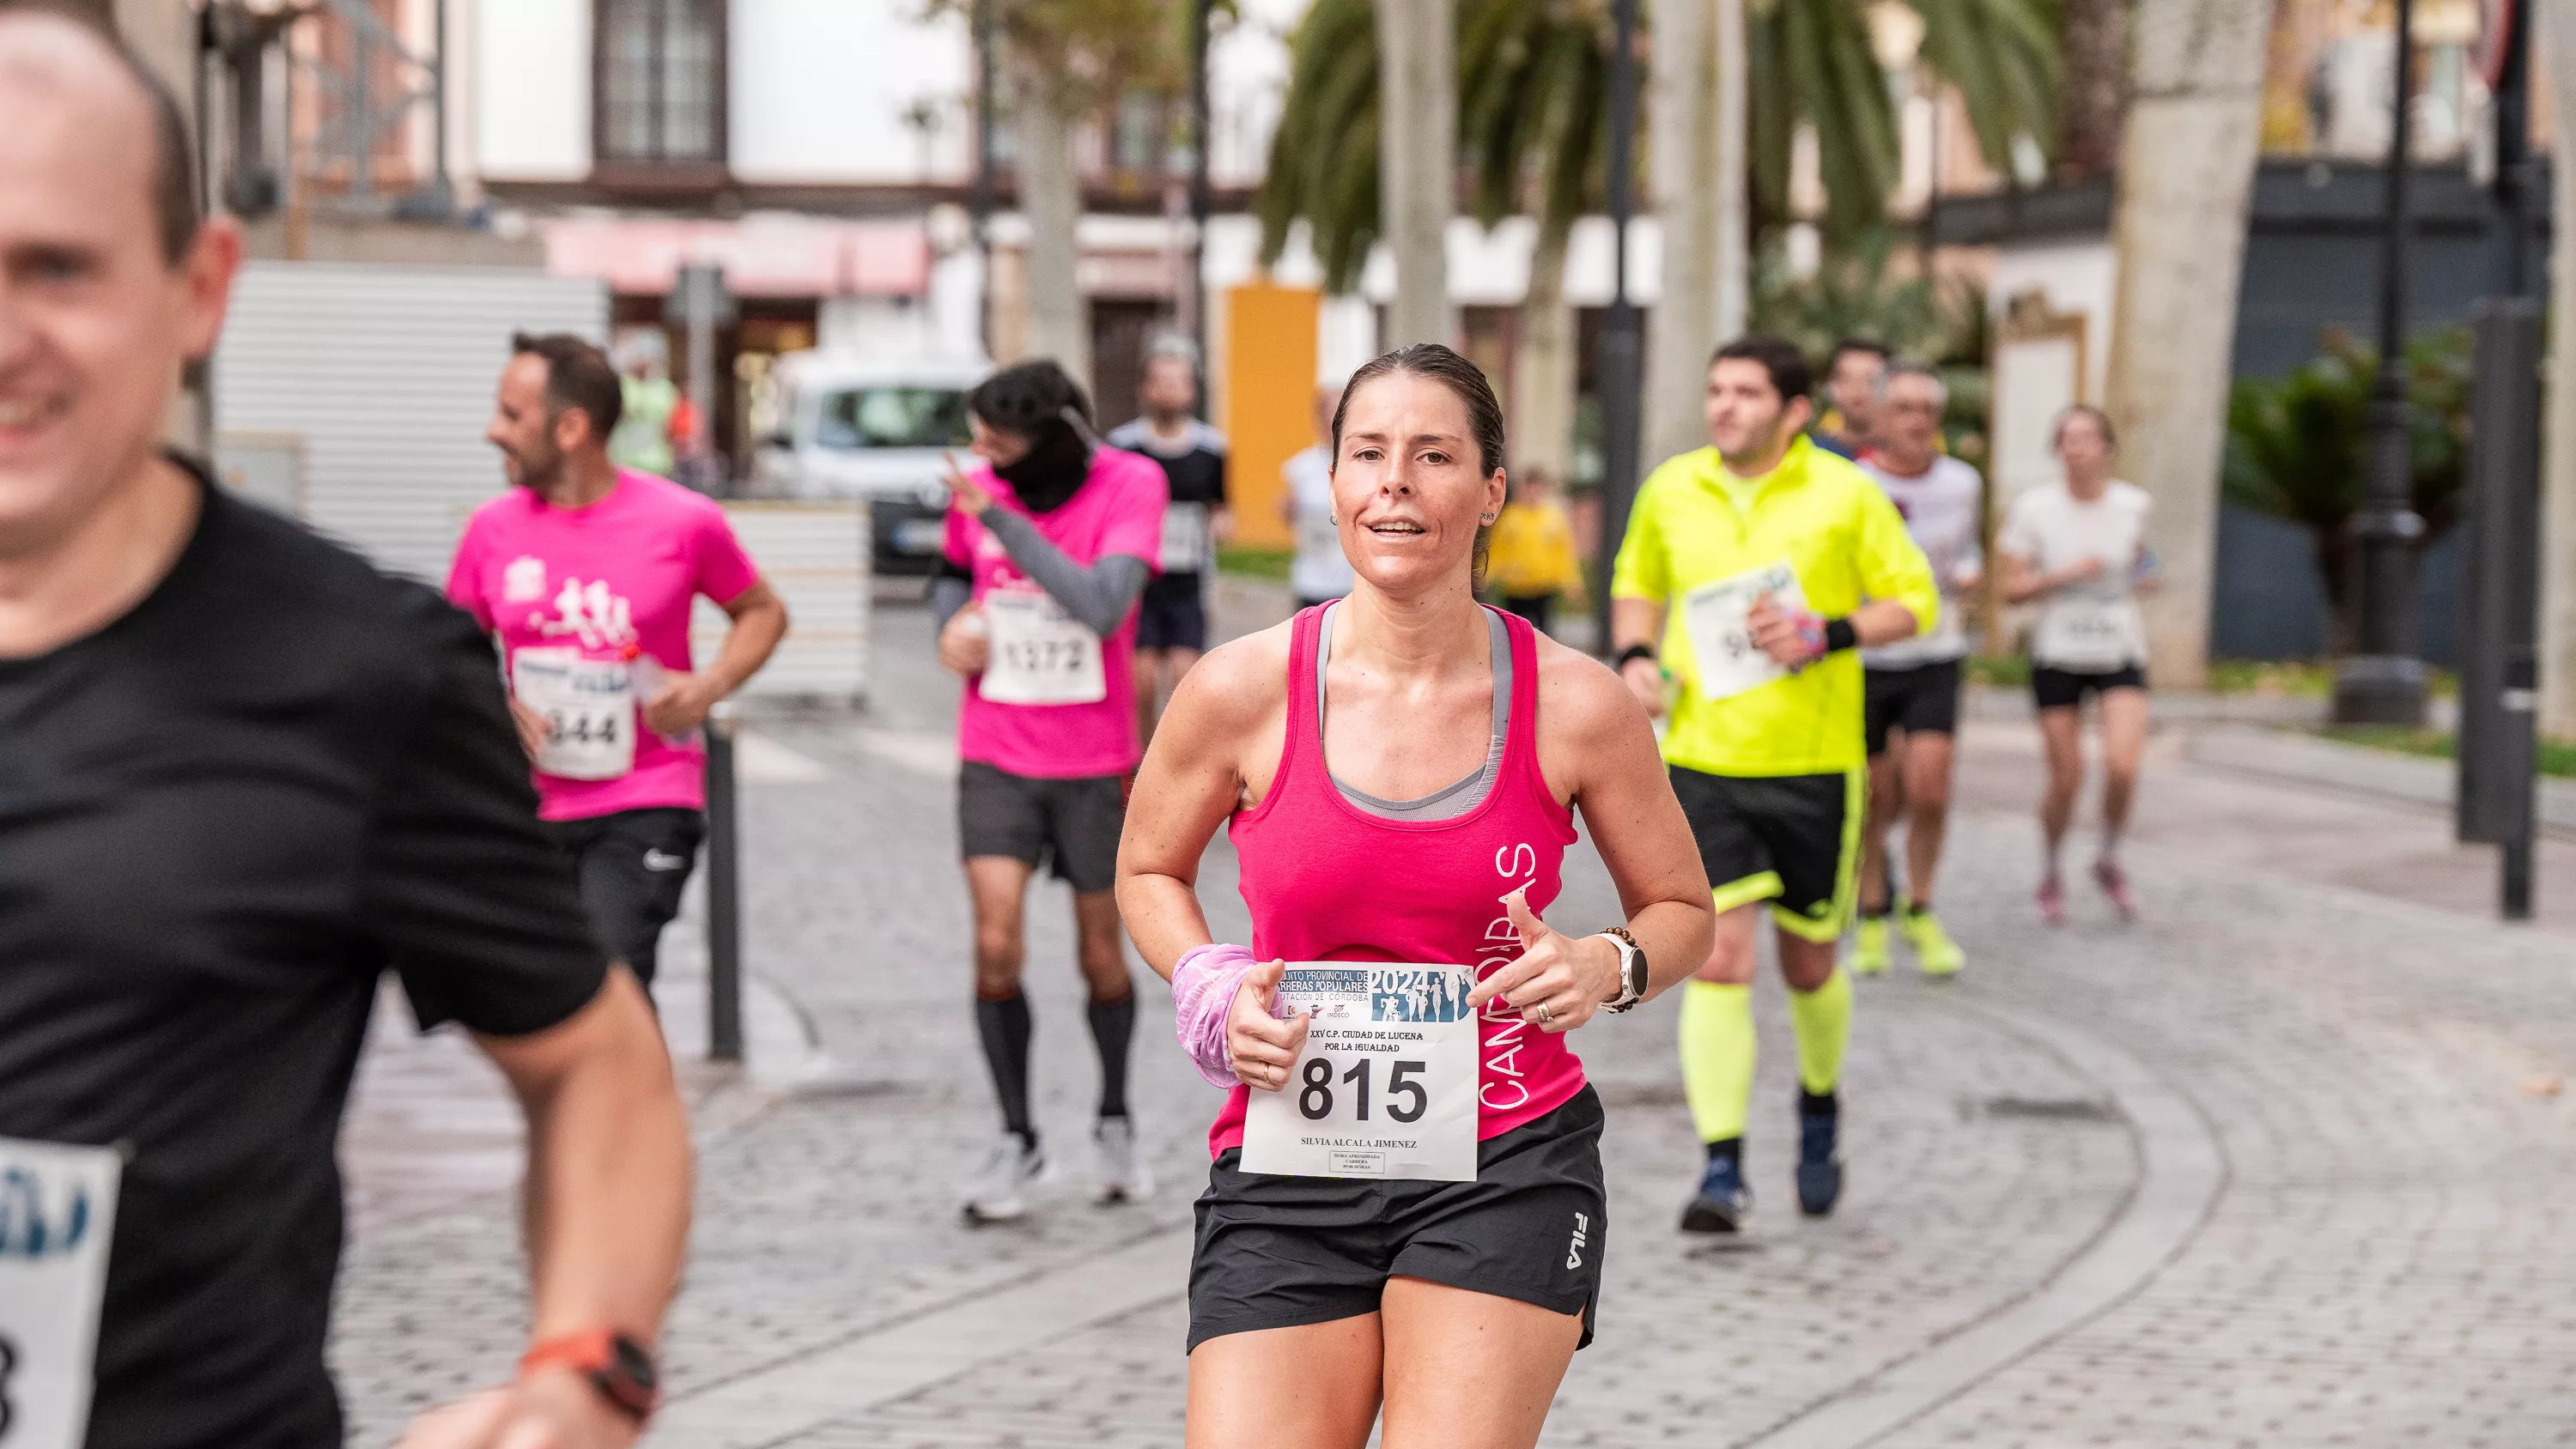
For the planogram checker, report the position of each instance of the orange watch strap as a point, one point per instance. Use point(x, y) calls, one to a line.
point(590, 1350)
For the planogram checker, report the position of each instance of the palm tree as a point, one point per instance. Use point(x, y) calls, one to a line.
point(1417, 76)
point(2096, 88)
point(2556, 33)
point(2187, 157)
point(1534, 77)
point(1813, 65)
point(1063, 59)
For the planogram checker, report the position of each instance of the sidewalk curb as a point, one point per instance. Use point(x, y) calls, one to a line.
point(2358, 770)
point(2181, 1175)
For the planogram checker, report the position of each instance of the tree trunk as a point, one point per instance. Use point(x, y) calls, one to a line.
point(2097, 56)
point(1059, 318)
point(2186, 177)
point(2557, 34)
point(1543, 373)
point(1417, 78)
point(1696, 159)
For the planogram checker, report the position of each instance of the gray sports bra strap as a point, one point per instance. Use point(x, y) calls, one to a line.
point(1450, 801)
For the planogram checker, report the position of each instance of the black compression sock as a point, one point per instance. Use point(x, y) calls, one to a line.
point(1004, 1026)
point(1813, 1104)
point(1112, 1024)
point(1732, 1149)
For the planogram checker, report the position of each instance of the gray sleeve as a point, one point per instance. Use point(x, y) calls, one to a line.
point(947, 596)
point(1099, 596)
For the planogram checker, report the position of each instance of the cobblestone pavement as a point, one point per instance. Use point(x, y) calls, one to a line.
point(2264, 1168)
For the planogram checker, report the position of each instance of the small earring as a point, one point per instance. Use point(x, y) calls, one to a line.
point(1486, 519)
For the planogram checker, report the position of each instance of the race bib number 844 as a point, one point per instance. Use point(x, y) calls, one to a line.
point(1385, 1086)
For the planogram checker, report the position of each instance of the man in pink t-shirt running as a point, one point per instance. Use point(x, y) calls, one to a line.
point(586, 573)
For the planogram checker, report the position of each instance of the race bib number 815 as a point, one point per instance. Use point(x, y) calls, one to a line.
point(1385, 1086)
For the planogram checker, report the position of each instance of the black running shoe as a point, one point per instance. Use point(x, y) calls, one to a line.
point(1723, 1199)
point(1820, 1171)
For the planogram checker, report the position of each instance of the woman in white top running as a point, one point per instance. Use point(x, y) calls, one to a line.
point(2079, 550)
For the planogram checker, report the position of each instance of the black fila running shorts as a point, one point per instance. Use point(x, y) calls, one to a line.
point(1283, 1252)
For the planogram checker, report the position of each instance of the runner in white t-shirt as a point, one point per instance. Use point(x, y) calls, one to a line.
point(1321, 572)
point(2079, 549)
point(1911, 687)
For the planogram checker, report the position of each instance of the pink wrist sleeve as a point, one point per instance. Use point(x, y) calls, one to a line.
point(1203, 988)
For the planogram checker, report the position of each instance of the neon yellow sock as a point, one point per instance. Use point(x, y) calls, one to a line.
point(1717, 1057)
point(1821, 1019)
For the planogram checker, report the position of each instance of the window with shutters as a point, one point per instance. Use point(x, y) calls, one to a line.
point(659, 70)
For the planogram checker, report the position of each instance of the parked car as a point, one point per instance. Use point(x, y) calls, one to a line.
point(871, 429)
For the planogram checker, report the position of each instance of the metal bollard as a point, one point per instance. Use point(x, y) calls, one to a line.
point(2498, 754)
point(724, 891)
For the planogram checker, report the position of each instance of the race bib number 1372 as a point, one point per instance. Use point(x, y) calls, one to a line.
point(57, 1216)
point(1385, 1086)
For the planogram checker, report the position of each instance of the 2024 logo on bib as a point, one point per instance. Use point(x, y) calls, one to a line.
point(1385, 1086)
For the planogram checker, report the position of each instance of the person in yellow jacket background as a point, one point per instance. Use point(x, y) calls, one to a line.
point(1530, 558)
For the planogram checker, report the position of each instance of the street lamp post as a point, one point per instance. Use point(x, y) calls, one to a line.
point(2382, 682)
point(1622, 381)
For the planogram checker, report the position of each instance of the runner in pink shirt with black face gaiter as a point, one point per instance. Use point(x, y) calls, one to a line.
point(586, 573)
point(1050, 543)
point(1406, 1206)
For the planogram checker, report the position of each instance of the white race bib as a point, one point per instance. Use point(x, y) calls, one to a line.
point(1040, 653)
point(57, 1217)
point(1386, 1084)
point(590, 703)
point(1717, 618)
point(2087, 631)
point(1185, 538)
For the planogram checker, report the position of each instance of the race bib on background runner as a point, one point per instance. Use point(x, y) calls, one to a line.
point(1385, 1086)
point(1185, 538)
point(1717, 618)
point(590, 703)
point(57, 1216)
point(2097, 631)
point(1040, 654)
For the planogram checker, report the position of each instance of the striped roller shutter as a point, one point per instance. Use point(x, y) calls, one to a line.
point(816, 555)
point(384, 375)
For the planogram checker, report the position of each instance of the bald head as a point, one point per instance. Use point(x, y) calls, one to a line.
point(51, 51)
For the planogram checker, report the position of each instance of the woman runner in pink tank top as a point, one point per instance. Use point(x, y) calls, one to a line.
point(1401, 772)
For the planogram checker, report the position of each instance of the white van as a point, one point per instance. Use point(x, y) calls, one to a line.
point(871, 429)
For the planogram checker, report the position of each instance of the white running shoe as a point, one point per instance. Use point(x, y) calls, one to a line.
point(998, 1194)
point(1124, 1177)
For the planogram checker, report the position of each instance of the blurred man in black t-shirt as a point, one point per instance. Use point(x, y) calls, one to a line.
point(1171, 620)
point(242, 775)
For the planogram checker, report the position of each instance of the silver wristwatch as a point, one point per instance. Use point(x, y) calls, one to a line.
point(1632, 970)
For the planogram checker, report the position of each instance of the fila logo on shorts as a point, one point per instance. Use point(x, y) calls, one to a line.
point(1582, 1235)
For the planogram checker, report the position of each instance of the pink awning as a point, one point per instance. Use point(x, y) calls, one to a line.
point(782, 258)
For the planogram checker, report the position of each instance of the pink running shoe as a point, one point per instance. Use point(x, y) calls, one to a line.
point(2115, 884)
point(2052, 899)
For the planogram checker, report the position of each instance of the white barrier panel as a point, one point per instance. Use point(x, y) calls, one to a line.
point(816, 555)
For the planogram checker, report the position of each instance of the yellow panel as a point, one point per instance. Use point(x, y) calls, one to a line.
point(1269, 400)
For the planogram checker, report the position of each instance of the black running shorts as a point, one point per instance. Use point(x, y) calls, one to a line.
point(2054, 688)
point(1283, 1252)
point(633, 865)
point(1172, 614)
point(1923, 700)
point(1792, 840)
point(1070, 825)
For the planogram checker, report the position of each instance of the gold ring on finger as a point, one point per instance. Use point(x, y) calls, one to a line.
point(1546, 1013)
